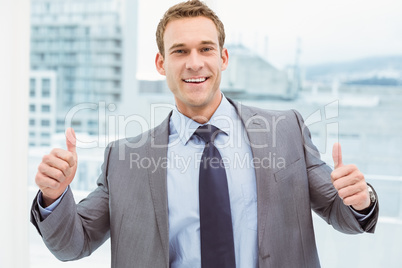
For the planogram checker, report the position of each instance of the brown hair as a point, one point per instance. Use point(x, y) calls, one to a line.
point(189, 9)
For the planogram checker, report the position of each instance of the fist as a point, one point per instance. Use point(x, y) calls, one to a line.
point(349, 182)
point(57, 170)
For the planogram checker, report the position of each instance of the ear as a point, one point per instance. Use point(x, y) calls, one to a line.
point(225, 59)
point(160, 63)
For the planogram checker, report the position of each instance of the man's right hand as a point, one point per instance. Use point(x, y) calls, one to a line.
point(57, 170)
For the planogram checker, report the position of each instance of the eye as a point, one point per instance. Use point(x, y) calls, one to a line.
point(179, 51)
point(206, 49)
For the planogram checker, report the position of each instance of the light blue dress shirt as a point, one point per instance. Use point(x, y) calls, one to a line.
point(184, 156)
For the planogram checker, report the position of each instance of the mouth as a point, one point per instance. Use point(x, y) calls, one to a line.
point(196, 80)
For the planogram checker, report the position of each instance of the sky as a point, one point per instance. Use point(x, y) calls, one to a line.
point(329, 31)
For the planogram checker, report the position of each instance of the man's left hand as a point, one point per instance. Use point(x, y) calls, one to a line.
point(349, 182)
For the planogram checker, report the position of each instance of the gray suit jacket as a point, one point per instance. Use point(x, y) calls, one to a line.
point(130, 203)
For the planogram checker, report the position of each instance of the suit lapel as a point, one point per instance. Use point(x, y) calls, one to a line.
point(258, 131)
point(157, 176)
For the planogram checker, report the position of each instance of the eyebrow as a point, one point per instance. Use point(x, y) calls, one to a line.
point(208, 43)
point(178, 45)
point(174, 46)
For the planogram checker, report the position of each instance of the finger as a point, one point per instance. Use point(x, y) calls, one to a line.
point(51, 172)
point(44, 182)
point(346, 181)
point(344, 171)
point(351, 190)
point(358, 201)
point(64, 155)
point(337, 155)
point(71, 140)
point(57, 163)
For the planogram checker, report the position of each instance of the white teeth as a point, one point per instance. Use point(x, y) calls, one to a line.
point(197, 80)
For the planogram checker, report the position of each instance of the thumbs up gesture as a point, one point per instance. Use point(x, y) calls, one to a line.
point(57, 170)
point(349, 182)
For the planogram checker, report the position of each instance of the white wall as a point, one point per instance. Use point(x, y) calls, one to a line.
point(14, 68)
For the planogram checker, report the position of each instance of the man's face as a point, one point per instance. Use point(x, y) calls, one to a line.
point(193, 64)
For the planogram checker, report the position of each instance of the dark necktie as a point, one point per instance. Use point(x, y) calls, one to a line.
point(216, 231)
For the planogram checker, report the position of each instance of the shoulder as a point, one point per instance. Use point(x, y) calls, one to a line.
point(247, 112)
point(135, 141)
point(156, 136)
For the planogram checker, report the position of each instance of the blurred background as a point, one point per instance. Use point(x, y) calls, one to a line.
point(89, 64)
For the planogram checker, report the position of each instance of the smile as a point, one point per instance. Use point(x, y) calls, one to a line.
point(196, 80)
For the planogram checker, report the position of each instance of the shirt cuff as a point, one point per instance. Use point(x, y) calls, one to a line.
point(362, 217)
point(45, 212)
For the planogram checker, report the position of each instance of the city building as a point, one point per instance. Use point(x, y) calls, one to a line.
point(158, 86)
point(83, 42)
point(250, 76)
point(42, 104)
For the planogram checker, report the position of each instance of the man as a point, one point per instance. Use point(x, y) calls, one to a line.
point(162, 215)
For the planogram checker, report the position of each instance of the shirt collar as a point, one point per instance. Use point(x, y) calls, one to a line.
point(223, 118)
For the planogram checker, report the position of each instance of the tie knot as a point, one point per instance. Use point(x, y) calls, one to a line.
point(207, 132)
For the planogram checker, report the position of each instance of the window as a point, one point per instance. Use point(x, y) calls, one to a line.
point(76, 123)
point(45, 88)
point(32, 122)
point(46, 108)
point(45, 123)
point(116, 83)
point(32, 87)
point(92, 123)
point(116, 97)
point(45, 135)
point(69, 71)
point(69, 98)
point(32, 134)
point(32, 107)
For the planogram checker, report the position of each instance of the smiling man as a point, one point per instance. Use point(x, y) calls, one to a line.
point(233, 205)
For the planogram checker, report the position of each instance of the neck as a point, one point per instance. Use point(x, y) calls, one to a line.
point(201, 114)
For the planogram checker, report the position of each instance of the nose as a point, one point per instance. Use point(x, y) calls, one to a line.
point(194, 61)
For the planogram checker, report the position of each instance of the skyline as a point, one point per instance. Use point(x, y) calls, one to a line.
point(333, 31)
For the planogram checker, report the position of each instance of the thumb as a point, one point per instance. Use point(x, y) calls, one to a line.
point(71, 140)
point(337, 155)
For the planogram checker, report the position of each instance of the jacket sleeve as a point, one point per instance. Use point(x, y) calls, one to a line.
point(73, 231)
point(324, 197)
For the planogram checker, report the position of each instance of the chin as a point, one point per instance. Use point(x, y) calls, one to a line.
point(196, 100)
point(196, 103)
